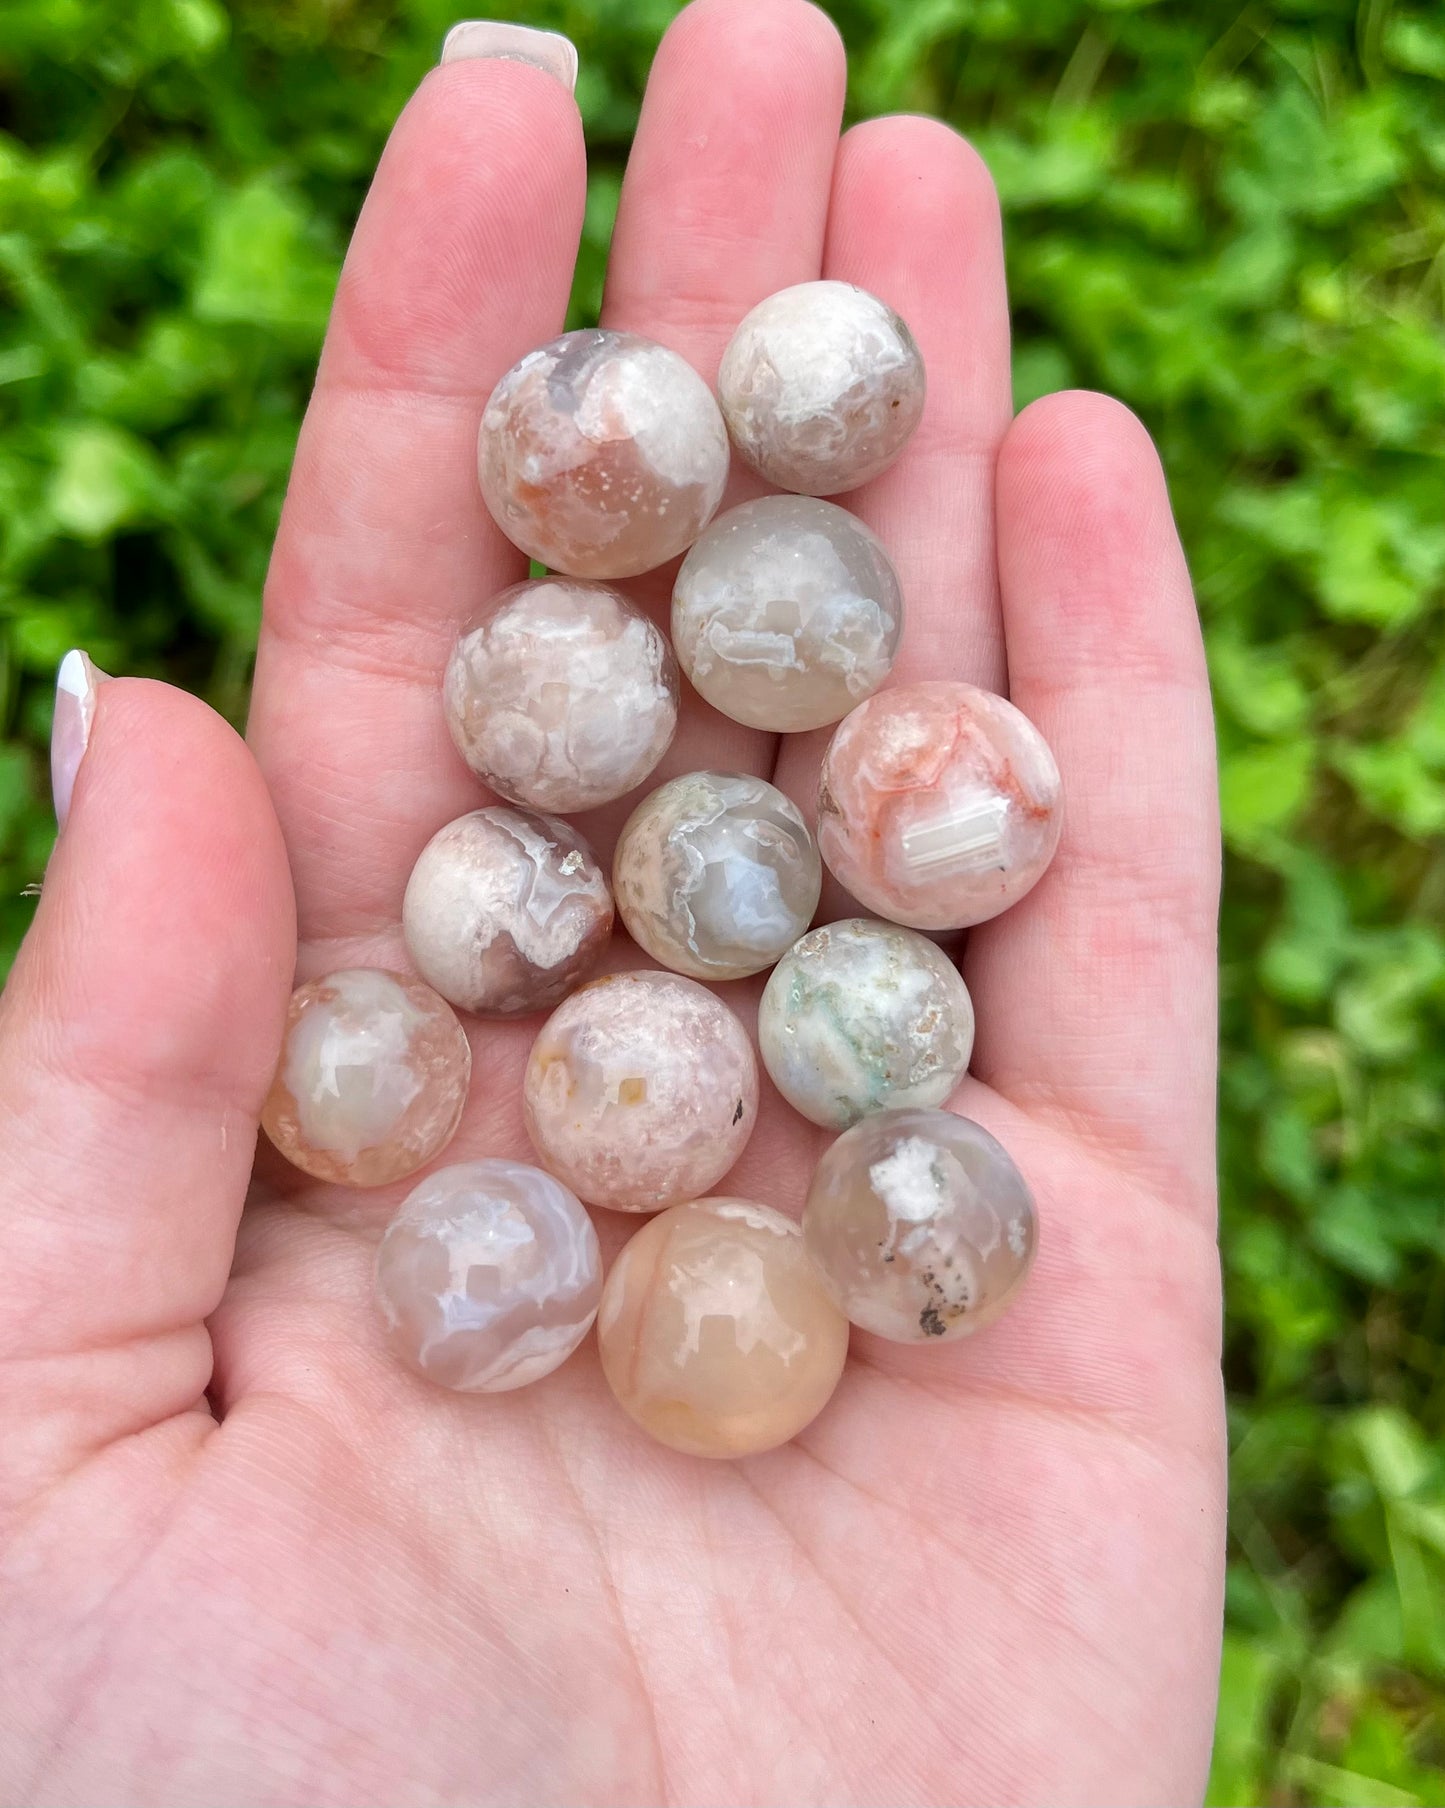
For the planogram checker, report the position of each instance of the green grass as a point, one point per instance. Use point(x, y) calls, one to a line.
point(1230, 214)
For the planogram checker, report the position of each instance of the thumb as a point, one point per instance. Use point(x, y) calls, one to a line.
point(138, 1034)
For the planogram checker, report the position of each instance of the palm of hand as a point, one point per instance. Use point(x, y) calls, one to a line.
point(989, 1571)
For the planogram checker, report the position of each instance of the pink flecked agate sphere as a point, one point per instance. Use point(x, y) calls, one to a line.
point(506, 911)
point(488, 1277)
point(561, 695)
point(602, 454)
point(641, 1090)
point(939, 805)
point(716, 1333)
point(372, 1081)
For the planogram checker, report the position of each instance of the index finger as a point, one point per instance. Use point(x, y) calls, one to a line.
point(461, 262)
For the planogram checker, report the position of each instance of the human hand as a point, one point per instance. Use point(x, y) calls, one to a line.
point(244, 1555)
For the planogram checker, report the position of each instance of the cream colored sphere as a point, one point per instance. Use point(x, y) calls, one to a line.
point(822, 386)
point(786, 613)
point(560, 695)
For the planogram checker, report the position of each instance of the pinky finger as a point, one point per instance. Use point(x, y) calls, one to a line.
point(1096, 996)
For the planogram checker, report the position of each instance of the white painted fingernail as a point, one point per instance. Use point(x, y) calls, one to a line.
point(76, 685)
point(547, 50)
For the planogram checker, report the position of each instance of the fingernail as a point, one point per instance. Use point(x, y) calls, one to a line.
point(75, 689)
point(547, 50)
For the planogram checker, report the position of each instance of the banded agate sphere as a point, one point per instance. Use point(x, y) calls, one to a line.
point(561, 695)
point(920, 1224)
point(602, 454)
point(786, 613)
point(939, 805)
point(859, 1016)
point(488, 1277)
point(506, 911)
point(716, 874)
point(641, 1090)
point(372, 1080)
point(715, 1333)
point(821, 386)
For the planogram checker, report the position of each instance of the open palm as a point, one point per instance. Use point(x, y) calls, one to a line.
point(245, 1556)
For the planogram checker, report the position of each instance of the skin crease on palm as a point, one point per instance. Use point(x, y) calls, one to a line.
point(244, 1555)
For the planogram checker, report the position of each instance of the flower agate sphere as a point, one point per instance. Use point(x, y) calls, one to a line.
point(561, 695)
point(373, 1077)
point(715, 1334)
point(786, 613)
point(506, 911)
point(939, 805)
point(602, 454)
point(489, 1276)
point(920, 1224)
point(641, 1090)
point(821, 385)
point(716, 874)
point(860, 1016)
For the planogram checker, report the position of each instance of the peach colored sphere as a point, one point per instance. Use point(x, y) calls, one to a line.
point(602, 454)
point(641, 1090)
point(716, 1335)
point(939, 805)
point(822, 386)
point(920, 1224)
point(372, 1080)
point(488, 1277)
point(561, 695)
point(506, 911)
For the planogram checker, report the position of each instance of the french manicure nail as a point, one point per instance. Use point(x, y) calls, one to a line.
point(75, 690)
point(547, 50)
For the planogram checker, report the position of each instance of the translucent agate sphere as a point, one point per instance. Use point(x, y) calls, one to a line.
point(641, 1090)
point(786, 613)
point(860, 1016)
point(506, 911)
point(561, 695)
point(715, 1333)
point(821, 386)
point(372, 1080)
point(716, 874)
point(488, 1277)
point(602, 454)
point(939, 805)
point(920, 1225)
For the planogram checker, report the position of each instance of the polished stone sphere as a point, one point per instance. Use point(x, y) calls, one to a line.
point(786, 613)
point(372, 1080)
point(939, 805)
point(488, 1277)
point(859, 1016)
point(716, 874)
point(821, 385)
point(641, 1090)
point(920, 1224)
point(716, 1335)
point(560, 695)
point(506, 911)
point(602, 454)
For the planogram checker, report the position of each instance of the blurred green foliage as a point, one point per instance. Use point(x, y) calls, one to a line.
point(1231, 214)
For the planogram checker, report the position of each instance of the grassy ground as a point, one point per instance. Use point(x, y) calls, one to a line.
point(1231, 213)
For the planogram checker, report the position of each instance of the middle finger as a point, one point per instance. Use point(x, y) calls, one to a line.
point(725, 200)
